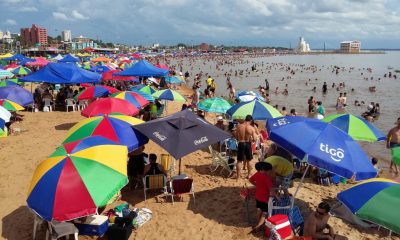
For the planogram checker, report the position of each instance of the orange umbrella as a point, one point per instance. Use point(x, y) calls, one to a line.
point(101, 59)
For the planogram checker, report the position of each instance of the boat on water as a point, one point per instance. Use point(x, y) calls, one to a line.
point(389, 67)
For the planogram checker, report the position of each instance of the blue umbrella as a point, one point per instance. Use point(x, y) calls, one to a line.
point(173, 80)
point(143, 69)
point(246, 96)
point(16, 94)
point(69, 59)
point(323, 145)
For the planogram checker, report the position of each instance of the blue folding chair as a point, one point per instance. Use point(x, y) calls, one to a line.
point(296, 221)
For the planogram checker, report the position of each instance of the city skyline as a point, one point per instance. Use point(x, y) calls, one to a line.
point(249, 22)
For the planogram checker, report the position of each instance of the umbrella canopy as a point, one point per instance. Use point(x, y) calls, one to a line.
point(10, 105)
point(173, 80)
point(95, 92)
point(16, 94)
point(357, 127)
point(58, 57)
point(69, 59)
point(163, 66)
point(107, 106)
point(102, 59)
point(376, 200)
point(39, 62)
point(11, 66)
point(21, 71)
point(182, 133)
point(259, 110)
point(8, 82)
point(4, 114)
point(168, 94)
point(247, 96)
point(7, 55)
point(143, 88)
point(146, 96)
point(106, 76)
point(134, 98)
point(62, 73)
point(5, 74)
point(100, 69)
point(215, 105)
point(117, 128)
point(323, 145)
point(77, 178)
point(143, 69)
point(3, 130)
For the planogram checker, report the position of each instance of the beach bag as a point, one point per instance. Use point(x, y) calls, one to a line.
point(119, 231)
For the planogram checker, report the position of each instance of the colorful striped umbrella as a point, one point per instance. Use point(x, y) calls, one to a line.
point(117, 128)
point(3, 130)
point(8, 82)
point(144, 88)
point(16, 94)
point(10, 105)
point(357, 127)
point(78, 178)
point(5, 74)
point(214, 105)
point(259, 110)
point(5, 114)
point(376, 200)
point(173, 80)
point(168, 94)
point(146, 96)
point(21, 71)
point(107, 106)
point(132, 97)
point(95, 92)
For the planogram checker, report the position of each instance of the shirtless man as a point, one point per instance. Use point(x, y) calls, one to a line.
point(245, 135)
point(317, 222)
point(393, 140)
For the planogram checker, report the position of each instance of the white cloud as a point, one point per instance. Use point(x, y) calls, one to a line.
point(27, 9)
point(60, 16)
point(11, 22)
point(78, 15)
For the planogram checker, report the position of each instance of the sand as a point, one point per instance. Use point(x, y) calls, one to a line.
point(217, 214)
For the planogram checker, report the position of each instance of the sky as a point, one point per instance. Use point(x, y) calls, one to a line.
point(376, 23)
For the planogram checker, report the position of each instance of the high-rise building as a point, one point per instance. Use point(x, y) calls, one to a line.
point(350, 46)
point(66, 36)
point(34, 36)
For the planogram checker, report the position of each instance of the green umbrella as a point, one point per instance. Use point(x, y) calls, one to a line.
point(257, 109)
point(21, 71)
point(169, 94)
point(214, 105)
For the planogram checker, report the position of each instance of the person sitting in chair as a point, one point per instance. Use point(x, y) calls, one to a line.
point(154, 168)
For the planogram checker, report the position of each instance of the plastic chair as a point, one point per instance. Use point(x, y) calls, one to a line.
point(158, 181)
point(61, 229)
point(37, 222)
point(296, 221)
point(182, 186)
point(48, 104)
point(82, 104)
point(70, 102)
point(281, 206)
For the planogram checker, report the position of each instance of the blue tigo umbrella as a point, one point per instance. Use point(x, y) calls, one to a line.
point(324, 146)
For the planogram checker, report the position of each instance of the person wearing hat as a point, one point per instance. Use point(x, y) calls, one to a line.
point(220, 123)
point(392, 141)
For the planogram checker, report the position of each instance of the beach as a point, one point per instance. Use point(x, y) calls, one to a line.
point(218, 211)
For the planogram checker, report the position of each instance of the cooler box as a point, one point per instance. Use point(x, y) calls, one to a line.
point(281, 224)
point(95, 225)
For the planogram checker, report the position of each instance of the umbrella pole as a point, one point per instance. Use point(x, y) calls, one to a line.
point(301, 182)
point(179, 173)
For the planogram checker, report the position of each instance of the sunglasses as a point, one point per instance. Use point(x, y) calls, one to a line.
point(320, 213)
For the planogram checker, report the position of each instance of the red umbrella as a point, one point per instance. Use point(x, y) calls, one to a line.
point(109, 76)
point(163, 66)
point(11, 66)
point(40, 62)
point(95, 91)
point(107, 106)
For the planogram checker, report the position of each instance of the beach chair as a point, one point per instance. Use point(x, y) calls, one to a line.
point(48, 105)
point(160, 111)
point(221, 161)
point(70, 102)
point(324, 177)
point(82, 104)
point(168, 163)
point(281, 206)
point(286, 183)
point(181, 186)
point(61, 229)
point(296, 221)
point(158, 181)
point(37, 222)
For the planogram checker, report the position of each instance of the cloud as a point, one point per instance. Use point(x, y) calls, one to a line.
point(60, 16)
point(11, 22)
point(78, 15)
point(27, 9)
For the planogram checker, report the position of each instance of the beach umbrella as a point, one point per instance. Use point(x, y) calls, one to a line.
point(163, 66)
point(4, 114)
point(100, 69)
point(38, 62)
point(173, 80)
point(10, 105)
point(5, 74)
point(168, 94)
point(107, 106)
point(322, 145)
point(21, 71)
point(3, 129)
point(107, 76)
point(143, 88)
point(8, 82)
point(182, 133)
point(146, 96)
point(102, 59)
point(134, 98)
point(95, 92)
point(10, 67)
point(357, 127)
point(257, 109)
point(247, 96)
point(143, 69)
point(376, 200)
point(214, 105)
point(117, 128)
point(16, 94)
point(78, 178)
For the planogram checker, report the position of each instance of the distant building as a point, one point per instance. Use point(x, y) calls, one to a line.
point(204, 47)
point(350, 46)
point(34, 36)
point(1, 35)
point(81, 39)
point(302, 46)
point(66, 36)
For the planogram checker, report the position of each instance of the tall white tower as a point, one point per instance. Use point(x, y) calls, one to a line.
point(66, 36)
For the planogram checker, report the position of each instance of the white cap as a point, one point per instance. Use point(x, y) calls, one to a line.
point(220, 118)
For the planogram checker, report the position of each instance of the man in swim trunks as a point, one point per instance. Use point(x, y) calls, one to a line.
point(245, 134)
point(393, 140)
point(316, 225)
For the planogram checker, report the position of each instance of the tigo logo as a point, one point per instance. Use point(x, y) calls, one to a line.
point(337, 155)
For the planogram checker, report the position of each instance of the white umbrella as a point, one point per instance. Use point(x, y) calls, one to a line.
point(5, 74)
point(5, 114)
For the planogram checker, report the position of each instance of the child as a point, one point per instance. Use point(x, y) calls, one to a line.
point(374, 162)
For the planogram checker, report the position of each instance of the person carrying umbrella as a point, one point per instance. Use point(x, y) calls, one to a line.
point(392, 141)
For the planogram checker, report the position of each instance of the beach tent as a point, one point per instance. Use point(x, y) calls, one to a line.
point(143, 69)
point(69, 59)
point(62, 73)
point(16, 57)
point(16, 94)
point(58, 57)
point(182, 133)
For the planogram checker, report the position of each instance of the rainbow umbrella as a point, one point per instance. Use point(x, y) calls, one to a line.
point(95, 92)
point(215, 105)
point(78, 178)
point(3, 130)
point(144, 88)
point(108, 106)
point(376, 200)
point(146, 96)
point(136, 99)
point(21, 71)
point(8, 82)
point(168, 94)
point(10, 105)
point(357, 127)
point(259, 110)
point(117, 128)
point(5, 114)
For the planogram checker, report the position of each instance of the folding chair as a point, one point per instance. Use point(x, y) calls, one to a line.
point(182, 186)
point(158, 181)
point(324, 177)
point(296, 221)
point(168, 163)
point(281, 206)
point(219, 160)
point(61, 229)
